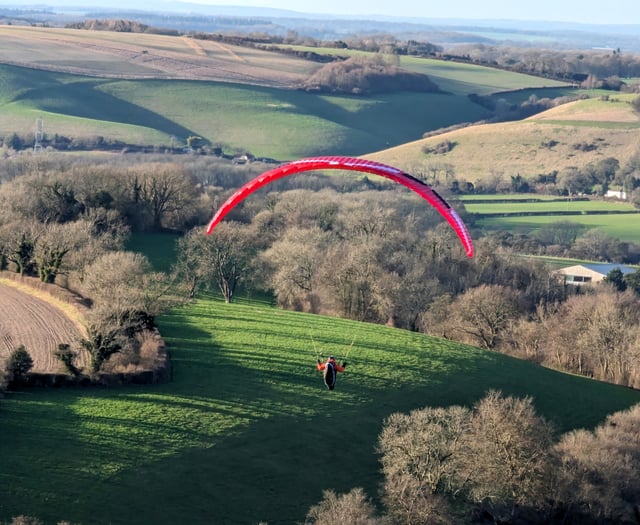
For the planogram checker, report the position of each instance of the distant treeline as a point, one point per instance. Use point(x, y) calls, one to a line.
point(600, 68)
point(366, 75)
point(120, 26)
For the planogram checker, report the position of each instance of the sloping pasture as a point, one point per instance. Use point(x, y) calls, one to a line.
point(265, 121)
point(139, 55)
point(463, 79)
point(455, 77)
point(246, 431)
point(545, 143)
point(156, 90)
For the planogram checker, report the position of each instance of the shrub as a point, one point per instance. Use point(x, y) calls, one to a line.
point(66, 356)
point(353, 508)
point(25, 520)
point(101, 346)
point(19, 364)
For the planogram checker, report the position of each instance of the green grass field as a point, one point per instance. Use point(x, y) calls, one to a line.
point(244, 430)
point(475, 199)
point(159, 248)
point(624, 227)
point(459, 78)
point(578, 207)
point(277, 123)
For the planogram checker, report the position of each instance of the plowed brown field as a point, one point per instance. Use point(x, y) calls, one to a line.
point(143, 56)
point(39, 325)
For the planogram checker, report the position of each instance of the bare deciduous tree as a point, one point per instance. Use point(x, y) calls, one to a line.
point(218, 260)
point(495, 455)
point(166, 192)
point(189, 268)
point(505, 453)
point(17, 243)
point(418, 455)
point(122, 282)
point(483, 313)
point(54, 243)
point(294, 261)
point(355, 279)
point(352, 508)
point(596, 334)
point(599, 471)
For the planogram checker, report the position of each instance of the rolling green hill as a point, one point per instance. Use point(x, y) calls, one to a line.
point(244, 430)
point(157, 90)
point(461, 78)
point(265, 121)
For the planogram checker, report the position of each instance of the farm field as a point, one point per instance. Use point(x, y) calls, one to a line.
point(110, 54)
point(159, 90)
point(33, 320)
point(625, 227)
point(546, 206)
point(454, 77)
point(265, 121)
point(542, 144)
point(238, 435)
point(519, 213)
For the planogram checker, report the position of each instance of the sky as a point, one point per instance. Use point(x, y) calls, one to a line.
point(580, 11)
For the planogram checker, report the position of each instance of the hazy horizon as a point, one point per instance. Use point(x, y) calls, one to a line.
point(626, 12)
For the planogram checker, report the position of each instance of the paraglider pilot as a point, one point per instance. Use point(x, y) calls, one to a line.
point(330, 369)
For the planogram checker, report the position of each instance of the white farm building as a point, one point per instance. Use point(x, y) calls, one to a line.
point(590, 273)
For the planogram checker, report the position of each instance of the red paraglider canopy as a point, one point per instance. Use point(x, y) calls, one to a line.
point(353, 164)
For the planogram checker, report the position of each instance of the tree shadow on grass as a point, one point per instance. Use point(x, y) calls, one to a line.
point(275, 465)
point(84, 99)
point(242, 435)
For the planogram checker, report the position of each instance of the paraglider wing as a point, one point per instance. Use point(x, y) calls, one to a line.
point(352, 164)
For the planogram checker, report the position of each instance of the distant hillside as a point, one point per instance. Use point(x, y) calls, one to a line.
point(154, 91)
point(130, 54)
point(570, 135)
point(187, 16)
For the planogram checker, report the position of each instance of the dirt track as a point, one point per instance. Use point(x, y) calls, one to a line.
point(38, 325)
